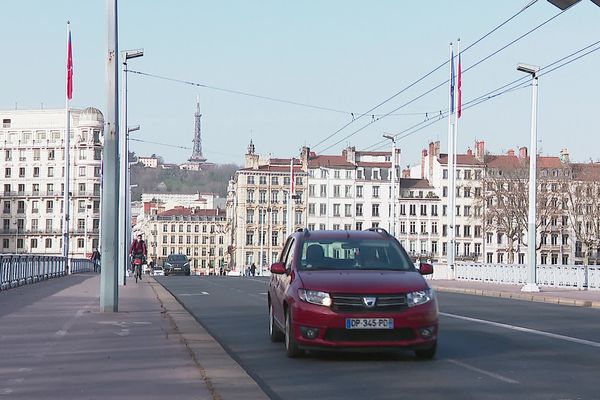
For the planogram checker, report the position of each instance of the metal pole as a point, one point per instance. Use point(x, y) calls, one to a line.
point(262, 239)
point(66, 216)
point(123, 243)
point(531, 285)
point(109, 291)
point(450, 211)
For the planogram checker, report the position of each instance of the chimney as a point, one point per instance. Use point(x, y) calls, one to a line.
point(564, 156)
point(406, 172)
point(351, 155)
point(251, 157)
point(522, 152)
point(479, 149)
point(511, 152)
point(423, 157)
point(304, 157)
point(469, 152)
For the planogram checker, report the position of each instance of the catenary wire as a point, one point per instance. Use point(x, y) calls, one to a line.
point(425, 76)
point(441, 84)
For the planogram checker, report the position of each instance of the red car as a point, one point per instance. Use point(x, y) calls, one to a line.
point(336, 290)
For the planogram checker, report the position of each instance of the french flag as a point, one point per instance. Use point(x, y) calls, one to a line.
point(69, 66)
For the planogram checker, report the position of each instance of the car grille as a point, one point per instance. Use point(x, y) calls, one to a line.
point(368, 335)
point(354, 303)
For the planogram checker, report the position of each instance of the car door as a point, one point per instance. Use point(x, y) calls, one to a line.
point(277, 286)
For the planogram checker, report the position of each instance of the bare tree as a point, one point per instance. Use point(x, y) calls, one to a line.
point(506, 202)
point(583, 195)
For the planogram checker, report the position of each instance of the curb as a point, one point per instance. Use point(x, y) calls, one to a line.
point(539, 298)
point(224, 377)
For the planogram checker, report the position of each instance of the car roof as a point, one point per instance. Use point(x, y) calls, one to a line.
point(340, 234)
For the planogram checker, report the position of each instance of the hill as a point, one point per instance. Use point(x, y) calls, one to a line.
point(213, 179)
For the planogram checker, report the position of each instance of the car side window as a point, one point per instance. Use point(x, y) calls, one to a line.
point(290, 254)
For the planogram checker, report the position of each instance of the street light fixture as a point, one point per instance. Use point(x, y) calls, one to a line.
point(124, 225)
point(564, 4)
point(531, 285)
point(393, 139)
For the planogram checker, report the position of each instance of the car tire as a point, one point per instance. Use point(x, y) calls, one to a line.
point(426, 354)
point(274, 332)
point(291, 346)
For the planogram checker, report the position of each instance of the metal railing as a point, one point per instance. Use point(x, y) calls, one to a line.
point(564, 276)
point(22, 269)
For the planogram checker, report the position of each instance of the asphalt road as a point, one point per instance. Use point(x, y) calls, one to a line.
point(489, 348)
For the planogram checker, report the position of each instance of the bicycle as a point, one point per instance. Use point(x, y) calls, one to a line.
point(137, 271)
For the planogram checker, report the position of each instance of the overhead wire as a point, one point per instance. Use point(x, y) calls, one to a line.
point(419, 80)
point(442, 83)
point(511, 86)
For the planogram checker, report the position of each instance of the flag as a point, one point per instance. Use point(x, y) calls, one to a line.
point(459, 89)
point(452, 82)
point(69, 68)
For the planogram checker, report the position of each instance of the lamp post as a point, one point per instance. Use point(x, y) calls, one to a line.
point(124, 167)
point(531, 285)
point(393, 191)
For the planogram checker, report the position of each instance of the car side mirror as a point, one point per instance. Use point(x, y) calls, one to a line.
point(425, 269)
point(278, 268)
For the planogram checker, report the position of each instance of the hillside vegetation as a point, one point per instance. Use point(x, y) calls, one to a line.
point(213, 179)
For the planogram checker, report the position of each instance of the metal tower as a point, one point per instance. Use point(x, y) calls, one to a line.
point(197, 156)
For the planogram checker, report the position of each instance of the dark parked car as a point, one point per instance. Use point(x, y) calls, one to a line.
point(177, 264)
point(351, 289)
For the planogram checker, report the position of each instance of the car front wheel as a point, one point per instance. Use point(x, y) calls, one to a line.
point(291, 346)
point(274, 333)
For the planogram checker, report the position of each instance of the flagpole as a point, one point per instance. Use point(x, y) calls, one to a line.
point(66, 207)
point(450, 212)
point(289, 209)
point(454, 147)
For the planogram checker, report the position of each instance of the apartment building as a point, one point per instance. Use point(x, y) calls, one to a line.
point(257, 208)
point(198, 233)
point(32, 180)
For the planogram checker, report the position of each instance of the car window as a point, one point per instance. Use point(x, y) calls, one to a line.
point(290, 255)
point(352, 254)
point(177, 257)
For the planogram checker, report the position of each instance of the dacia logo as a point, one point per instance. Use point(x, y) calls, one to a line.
point(369, 301)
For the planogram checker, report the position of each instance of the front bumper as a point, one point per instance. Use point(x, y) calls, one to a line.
point(414, 328)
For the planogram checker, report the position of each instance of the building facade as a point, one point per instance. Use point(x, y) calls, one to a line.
point(32, 180)
point(197, 233)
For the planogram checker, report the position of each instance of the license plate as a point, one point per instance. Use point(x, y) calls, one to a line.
point(177, 268)
point(369, 323)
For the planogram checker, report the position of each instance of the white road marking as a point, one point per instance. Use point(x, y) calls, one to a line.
point(264, 293)
point(5, 391)
point(123, 332)
point(482, 371)
point(65, 328)
point(526, 330)
point(194, 294)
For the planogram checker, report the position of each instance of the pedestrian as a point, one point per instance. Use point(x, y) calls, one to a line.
point(96, 259)
point(253, 269)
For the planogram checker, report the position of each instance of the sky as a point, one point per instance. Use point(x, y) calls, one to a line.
point(345, 55)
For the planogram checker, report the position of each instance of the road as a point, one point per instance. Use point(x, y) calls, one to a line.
point(489, 348)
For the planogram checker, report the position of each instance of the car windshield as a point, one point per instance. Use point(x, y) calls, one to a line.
point(177, 258)
point(157, 268)
point(348, 254)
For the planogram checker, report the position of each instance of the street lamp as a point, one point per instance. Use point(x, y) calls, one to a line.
point(531, 285)
point(393, 140)
point(124, 167)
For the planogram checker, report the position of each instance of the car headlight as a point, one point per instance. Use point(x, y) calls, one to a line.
point(419, 297)
point(167, 265)
point(186, 265)
point(315, 297)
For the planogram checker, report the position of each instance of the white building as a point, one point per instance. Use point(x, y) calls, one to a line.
point(32, 180)
point(149, 162)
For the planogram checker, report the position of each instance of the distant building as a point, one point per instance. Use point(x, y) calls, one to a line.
point(32, 180)
point(149, 162)
point(197, 233)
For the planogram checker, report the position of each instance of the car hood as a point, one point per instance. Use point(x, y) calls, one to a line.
point(367, 282)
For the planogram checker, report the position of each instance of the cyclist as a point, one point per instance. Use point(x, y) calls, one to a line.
point(138, 250)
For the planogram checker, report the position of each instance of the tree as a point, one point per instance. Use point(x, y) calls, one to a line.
point(506, 201)
point(583, 195)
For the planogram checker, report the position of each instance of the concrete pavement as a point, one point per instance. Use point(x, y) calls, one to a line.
point(572, 297)
point(54, 343)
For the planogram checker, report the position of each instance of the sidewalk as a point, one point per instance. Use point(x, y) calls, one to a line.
point(572, 297)
point(54, 343)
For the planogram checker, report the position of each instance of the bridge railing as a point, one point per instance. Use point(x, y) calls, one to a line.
point(23, 269)
point(567, 276)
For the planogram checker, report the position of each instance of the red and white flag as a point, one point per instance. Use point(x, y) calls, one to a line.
point(69, 66)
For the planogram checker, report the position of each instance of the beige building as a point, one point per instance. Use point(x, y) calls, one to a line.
point(197, 233)
point(32, 180)
point(149, 162)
